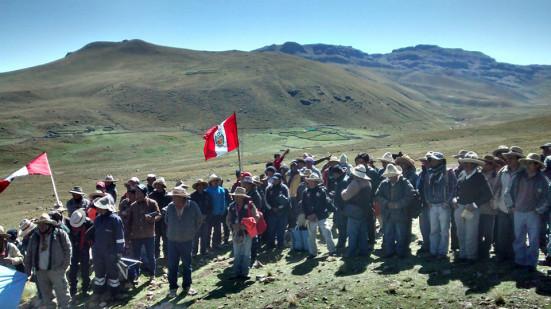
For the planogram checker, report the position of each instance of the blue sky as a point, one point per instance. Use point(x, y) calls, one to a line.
point(33, 32)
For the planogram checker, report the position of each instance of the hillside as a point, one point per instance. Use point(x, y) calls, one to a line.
point(445, 75)
point(133, 85)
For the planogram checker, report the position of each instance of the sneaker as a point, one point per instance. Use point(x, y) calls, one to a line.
point(190, 291)
point(172, 293)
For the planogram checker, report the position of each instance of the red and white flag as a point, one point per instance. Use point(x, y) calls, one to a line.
point(37, 166)
point(221, 139)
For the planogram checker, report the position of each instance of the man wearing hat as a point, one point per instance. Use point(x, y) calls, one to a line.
point(501, 149)
point(340, 181)
point(376, 178)
point(183, 220)
point(407, 164)
point(424, 216)
point(77, 201)
point(150, 180)
point(439, 189)
point(310, 162)
point(473, 191)
point(294, 180)
point(160, 196)
point(111, 186)
point(277, 203)
point(395, 194)
point(488, 211)
point(241, 213)
point(220, 202)
point(79, 225)
point(10, 256)
point(317, 206)
point(504, 235)
point(26, 227)
point(385, 160)
point(545, 151)
point(250, 185)
point(528, 199)
point(48, 257)
point(203, 200)
point(108, 245)
point(143, 215)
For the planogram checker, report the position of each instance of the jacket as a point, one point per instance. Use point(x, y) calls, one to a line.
point(401, 194)
point(473, 189)
point(78, 237)
point(436, 188)
point(316, 202)
point(340, 184)
point(10, 251)
point(107, 234)
point(60, 251)
point(490, 208)
point(541, 186)
point(183, 228)
point(203, 201)
point(277, 197)
point(503, 186)
point(218, 200)
point(162, 201)
point(138, 227)
point(73, 205)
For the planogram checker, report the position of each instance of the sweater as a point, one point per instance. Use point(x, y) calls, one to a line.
point(314, 202)
point(473, 189)
point(183, 228)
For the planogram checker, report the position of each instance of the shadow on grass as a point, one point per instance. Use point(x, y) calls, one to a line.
point(226, 286)
point(305, 267)
point(353, 266)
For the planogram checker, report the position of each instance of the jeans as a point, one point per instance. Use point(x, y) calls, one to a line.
point(242, 255)
point(395, 237)
point(504, 236)
point(467, 233)
point(526, 224)
point(341, 221)
point(277, 223)
point(453, 235)
point(424, 226)
point(485, 235)
point(149, 245)
point(440, 216)
point(179, 250)
point(79, 261)
point(254, 249)
point(202, 237)
point(325, 232)
point(50, 281)
point(356, 230)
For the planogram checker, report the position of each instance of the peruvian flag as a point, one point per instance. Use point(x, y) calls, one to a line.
point(221, 139)
point(37, 166)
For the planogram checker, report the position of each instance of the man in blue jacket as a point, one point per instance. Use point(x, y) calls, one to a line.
point(219, 202)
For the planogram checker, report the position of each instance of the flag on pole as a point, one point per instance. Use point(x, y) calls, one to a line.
point(37, 166)
point(221, 139)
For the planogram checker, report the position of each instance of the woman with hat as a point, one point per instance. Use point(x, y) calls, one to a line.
point(183, 220)
point(241, 214)
point(108, 246)
point(77, 201)
point(203, 200)
point(395, 194)
point(504, 234)
point(10, 256)
point(473, 191)
point(48, 257)
point(317, 207)
point(358, 210)
point(79, 225)
point(528, 199)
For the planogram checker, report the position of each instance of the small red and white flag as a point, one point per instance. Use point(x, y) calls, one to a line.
point(221, 139)
point(37, 166)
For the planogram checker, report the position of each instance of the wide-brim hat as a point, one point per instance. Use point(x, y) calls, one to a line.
point(461, 154)
point(501, 149)
point(105, 202)
point(199, 182)
point(306, 172)
point(78, 217)
point(360, 171)
point(490, 159)
point(515, 151)
point(3, 232)
point(387, 157)
point(334, 159)
point(435, 155)
point(77, 190)
point(110, 178)
point(257, 181)
point(471, 157)
point(213, 177)
point(546, 145)
point(405, 159)
point(134, 179)
point(97, 194)
point(160, 181)
point(426, 157)
point(532, 157)
point(240, 191)
point(248, 179)
point(178, 191)
point(314, 177)
point(392, 170)
point(26, 226)
point(46, 219)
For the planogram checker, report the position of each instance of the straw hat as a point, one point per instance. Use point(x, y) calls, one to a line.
point(45, 218)
point(150, 176)
point(515, 151)
point(532, 157)
point(471, 157)
point(392, 170)
point(3, 233)
point(105, 202)
point(134, 179)
point(78, 218)
point(26, 226)
point(360, 171)
point(489, 159)
point(97, 194)
point(501, 149)
point(334, 159)
point(405, 159)
point(199, 182)
point(178, 191)
point(181, 183)
point(461, 154)
point(213, 177)
point(314, 178)
point(425, 158)
point(240, 191)
point(77, 190)
point(387, 157)
point(110, 178)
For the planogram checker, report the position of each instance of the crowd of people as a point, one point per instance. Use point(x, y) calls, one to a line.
point(465, 208)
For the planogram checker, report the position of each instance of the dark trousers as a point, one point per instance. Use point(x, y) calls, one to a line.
point(202, 237)
point(453, 235)
point(254, 249)
point(505, 235)
point(341, 221)
point(106, 273)
point(216, 227)
point(395, 238)
point(293, 214)
point(485, 235)
point(158, 239)
point(277, 223)
point(372, 229)
point(424, 226)
point(179, 251)
point(79, 261)
point(226, 228)
point(149, 245)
